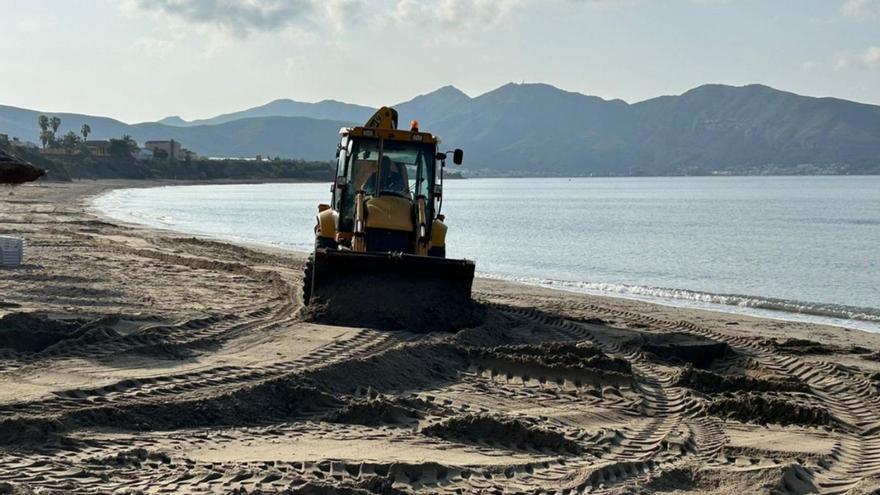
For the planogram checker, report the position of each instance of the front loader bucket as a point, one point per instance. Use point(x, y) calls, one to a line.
point(392, 290)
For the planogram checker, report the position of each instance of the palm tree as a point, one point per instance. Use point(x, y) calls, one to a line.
point(45, 137)
point(55, 122)
point(43, 122)
point(86, 130)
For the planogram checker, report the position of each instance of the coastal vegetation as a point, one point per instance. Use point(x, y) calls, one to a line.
point(73, 157)
point(196, 169)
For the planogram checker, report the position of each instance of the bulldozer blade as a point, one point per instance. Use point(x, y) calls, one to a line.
point(333, 265)
point(392, 290)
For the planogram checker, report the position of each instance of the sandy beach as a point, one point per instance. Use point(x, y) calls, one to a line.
point(141, 361)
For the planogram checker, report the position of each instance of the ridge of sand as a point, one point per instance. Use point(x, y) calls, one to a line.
point(141, 361)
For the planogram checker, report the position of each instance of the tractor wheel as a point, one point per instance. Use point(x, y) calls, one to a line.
point(308, 273)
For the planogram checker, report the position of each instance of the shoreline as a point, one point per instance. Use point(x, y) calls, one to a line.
point(137, 359)
point(748, 305)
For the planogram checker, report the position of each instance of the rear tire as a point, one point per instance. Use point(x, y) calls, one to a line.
point(308, 274)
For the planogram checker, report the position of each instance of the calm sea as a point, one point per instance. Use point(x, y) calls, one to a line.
point(805, 248)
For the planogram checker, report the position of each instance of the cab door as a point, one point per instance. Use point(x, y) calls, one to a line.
point(339, 184)
point(358, 164)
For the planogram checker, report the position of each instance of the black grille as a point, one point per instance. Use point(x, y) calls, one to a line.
point(385, 241)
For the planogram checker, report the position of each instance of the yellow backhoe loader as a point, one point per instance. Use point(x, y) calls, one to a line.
point(381, 242)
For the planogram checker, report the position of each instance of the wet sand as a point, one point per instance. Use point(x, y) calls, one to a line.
point(139, 361)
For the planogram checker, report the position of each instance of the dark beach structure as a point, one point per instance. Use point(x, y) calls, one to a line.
point(14, 171)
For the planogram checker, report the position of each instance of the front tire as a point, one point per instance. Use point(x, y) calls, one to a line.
point(308, 279)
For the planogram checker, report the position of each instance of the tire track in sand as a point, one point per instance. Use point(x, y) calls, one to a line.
point(645, 448)
point(849, 397)
point(203, 382)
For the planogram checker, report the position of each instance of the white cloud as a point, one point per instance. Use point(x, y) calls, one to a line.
point(153, 47)
point(339, 13)
point(868, 59)
point(30, 24)
point(296, 65)
point(627, 3)
point(871, 57)
point(238, 17)
point(463, 14)
point(861, 9)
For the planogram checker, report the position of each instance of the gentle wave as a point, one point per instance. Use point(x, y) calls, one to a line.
point(766, 303)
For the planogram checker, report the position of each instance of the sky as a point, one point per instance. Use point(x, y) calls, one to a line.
point(141, 60)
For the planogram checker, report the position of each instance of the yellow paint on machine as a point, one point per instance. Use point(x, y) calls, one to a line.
point(438, 233)
point(394, 135)
point(326, 226)
point(389, 212)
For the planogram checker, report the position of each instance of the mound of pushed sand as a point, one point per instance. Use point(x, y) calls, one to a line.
point(694, 478)
point(376, 412)
point(133, 457)
point(510, 433)
point(555, 355)
point(31, 333)
point(754, 407)
point(711, 382)
point(678, 348)
point(373, 485)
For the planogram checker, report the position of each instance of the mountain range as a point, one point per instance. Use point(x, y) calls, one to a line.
point(537, 129)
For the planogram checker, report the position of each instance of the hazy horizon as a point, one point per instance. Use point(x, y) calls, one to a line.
point(143, 60)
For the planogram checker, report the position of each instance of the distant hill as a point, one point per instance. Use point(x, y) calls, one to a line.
point(755, 126)
point(536, 129)
point(295, 137)
point(173, 120)
point(323, 110)
point(539, 129)
point(432, 107)
point(426, 108)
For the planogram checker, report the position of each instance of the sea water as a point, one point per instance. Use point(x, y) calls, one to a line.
point(805, 248)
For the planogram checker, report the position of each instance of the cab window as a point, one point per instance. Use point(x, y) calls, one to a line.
point(360, 174)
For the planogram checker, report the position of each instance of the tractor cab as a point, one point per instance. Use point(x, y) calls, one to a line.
point(392, 178)
point(380, 167)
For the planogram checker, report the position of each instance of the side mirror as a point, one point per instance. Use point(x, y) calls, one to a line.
point(457, 156)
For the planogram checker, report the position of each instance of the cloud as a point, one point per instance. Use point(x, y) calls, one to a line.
point(153, 47)
point(239, 17)
point(627, 3)
point(861, 9)
point(868, 59)
point(871, 58)
point(463, 14)
point(295, 65)
point(28, 24)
